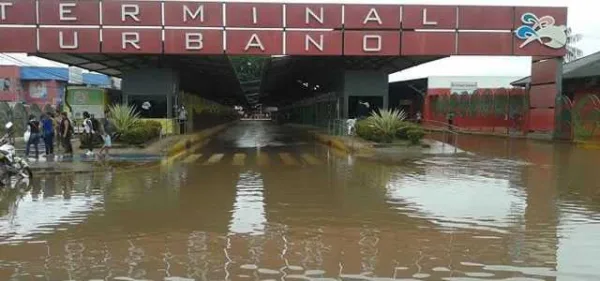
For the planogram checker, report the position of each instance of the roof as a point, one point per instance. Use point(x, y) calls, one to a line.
point(44, 73)
point(588, 66)
point(61, 74)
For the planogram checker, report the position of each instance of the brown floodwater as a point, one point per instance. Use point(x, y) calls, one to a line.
point(261, 202)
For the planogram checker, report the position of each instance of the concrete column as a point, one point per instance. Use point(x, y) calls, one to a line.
point(544, 89)
point(152, 82)
point(365, 83)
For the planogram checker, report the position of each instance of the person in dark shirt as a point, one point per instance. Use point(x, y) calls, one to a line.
point(34, 136)
point(65, 133)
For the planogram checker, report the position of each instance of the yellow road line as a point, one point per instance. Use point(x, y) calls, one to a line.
point(239, 159)
point(192, 158)
point(288, 159)
point(310, 159)
point(262, 159)
point(215, 158)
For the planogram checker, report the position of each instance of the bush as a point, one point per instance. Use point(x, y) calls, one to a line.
point(368, 132)
point(123, 117)
point(387, 122)
point(142, 132)
point(415, 134)
point(402, 132)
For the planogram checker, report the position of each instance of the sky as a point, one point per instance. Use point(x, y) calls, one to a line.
point(582, 18)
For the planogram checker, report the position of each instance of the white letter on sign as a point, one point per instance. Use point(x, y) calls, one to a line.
point(310, 13)
point(65, 11)
point(3, 10)
point(61, 41)
point(193, 41)
point(309, 40)
point(199, 12)
point(132, 38)
point(254, 42)
point(254, 15)
point(131, 10)
point(373, 15)
point(425, 21)
point(368, 38)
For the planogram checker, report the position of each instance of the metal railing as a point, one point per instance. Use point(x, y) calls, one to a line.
point(337, 127)
point(446, 129)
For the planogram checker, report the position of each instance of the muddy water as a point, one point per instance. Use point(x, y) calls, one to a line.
point(261, 202)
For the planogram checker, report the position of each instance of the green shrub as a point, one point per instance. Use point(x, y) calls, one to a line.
point(415, 134)
point(368, 132)
point(388, 122)
point(141, 132)
point(123, 117)
point(402, 132)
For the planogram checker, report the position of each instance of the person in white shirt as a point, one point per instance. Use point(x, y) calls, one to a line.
point(88, 133)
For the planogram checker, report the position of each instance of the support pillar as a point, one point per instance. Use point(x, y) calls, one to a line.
point(544, 91)
point(369, 85)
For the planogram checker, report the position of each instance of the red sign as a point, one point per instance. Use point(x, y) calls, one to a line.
point(428, 43)
point(314, 43)
point(372, 43)
point(131, 13)
point(69, 12)
point(486, 18)
point(313, 16)
point(193, 14)
point(193, 41)
point(188, 27)
point(429, 17)
point(69, 40)
point(255, 42)
point(17, 12)
point(254, 15)
point(481, 43)
point(372, 16)
point(140, 41)
point(15, 39)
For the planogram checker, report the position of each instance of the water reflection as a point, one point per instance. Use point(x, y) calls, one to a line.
point(439, 218)
point(249, 209)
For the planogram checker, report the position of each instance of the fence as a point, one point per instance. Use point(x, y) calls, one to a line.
point(584, 117)
point(19, 115)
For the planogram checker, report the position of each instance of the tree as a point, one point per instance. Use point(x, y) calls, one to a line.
point(573, 52)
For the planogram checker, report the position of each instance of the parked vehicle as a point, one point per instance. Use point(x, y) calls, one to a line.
point(10, 164)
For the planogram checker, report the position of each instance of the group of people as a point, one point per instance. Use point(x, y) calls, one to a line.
point(60, 130)
point(51, 129)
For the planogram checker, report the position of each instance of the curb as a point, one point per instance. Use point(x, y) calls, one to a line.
point(331, 141)
point(194, 141)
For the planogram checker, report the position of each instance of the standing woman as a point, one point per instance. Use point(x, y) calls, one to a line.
point(66, 133)
point(34, 137)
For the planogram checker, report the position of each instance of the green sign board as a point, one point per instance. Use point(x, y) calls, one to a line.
point(86, 96)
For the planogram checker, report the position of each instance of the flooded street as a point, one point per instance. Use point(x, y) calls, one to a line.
point(263, 202)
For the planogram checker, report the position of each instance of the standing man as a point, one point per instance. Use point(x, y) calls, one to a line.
point(182, 119)
point(34, 137)
point(48, 133)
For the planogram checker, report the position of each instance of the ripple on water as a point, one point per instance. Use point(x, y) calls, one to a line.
point(249, 266)
point(266, 271)
point(479, 274)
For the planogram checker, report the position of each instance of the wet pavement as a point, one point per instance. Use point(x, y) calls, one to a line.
point(263, 202)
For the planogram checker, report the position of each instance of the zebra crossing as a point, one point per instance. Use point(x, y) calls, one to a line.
point(258, 159)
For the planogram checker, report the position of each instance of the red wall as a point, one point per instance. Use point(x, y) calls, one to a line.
point(12, 73)
point(476, 123)
point(51, 88)
point(27, 90)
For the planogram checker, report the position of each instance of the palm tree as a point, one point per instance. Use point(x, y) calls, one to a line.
point(573, 52)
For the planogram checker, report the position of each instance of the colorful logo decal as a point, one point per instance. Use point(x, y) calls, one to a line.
point(542, 30)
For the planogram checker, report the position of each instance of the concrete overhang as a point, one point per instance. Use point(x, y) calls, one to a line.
point(210, 76)
point(283, 76)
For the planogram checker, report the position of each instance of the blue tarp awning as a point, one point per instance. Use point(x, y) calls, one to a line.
point(44, 73)
point(61, 74)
